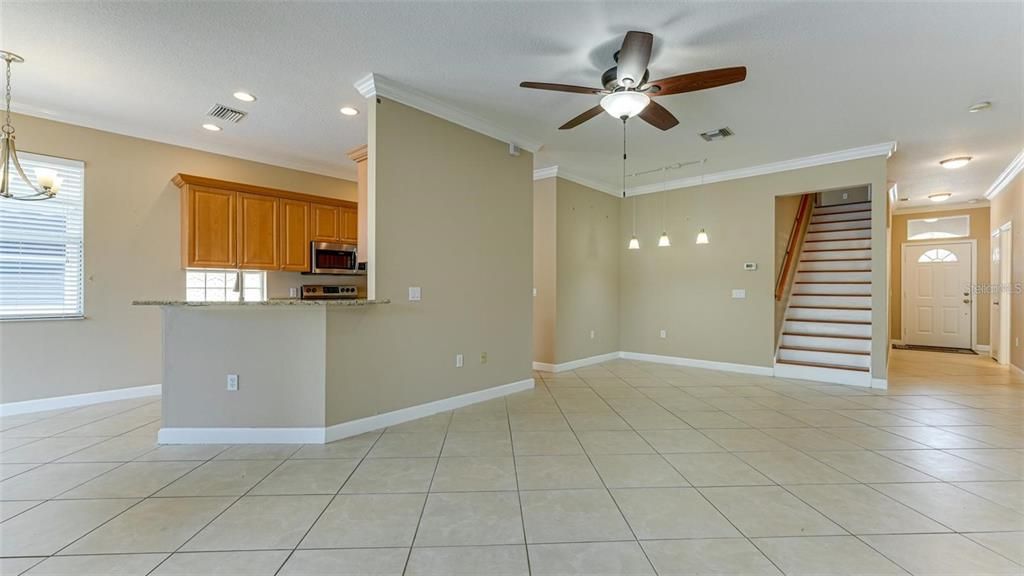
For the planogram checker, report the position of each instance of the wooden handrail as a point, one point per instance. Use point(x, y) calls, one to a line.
point(794, 235)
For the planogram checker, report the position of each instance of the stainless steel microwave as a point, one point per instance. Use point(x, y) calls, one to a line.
point(330, 258)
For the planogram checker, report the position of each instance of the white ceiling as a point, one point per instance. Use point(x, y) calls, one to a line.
point(822, 77)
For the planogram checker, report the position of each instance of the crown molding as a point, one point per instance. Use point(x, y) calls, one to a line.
point(542, 173)
point(373, 85)
point(1006, 177)
point(940, 208)
point(559, 172)
point(883, 149)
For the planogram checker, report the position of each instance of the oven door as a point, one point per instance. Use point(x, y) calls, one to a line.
point(329, 258)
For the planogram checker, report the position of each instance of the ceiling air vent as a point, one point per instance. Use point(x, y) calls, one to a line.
point(222, 112)
point(717, 134)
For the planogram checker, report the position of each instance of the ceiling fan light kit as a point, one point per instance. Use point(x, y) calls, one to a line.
point(625, 104)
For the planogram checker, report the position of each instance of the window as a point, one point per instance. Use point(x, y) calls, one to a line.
point(41, 245)
point(937, 255)
point(225, 285)
point(932, 228)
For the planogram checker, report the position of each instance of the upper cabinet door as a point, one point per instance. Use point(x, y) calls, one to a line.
point(350, 225)
point(209, 218)
point(294, 235)
point(326, 223)
point(259, 232)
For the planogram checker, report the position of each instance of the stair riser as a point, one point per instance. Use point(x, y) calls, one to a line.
point(819, 218)
point(842, 208)
point(864, 244)
point(837, 235)
point(844, 265)
point(827, 343)
point(828, 314)
point(833, 358)
point(847, 377)
point(842, 301)
point(826, 329)
point(858, 289)
point(835, 254)
point(828, 226)
point(834, 276)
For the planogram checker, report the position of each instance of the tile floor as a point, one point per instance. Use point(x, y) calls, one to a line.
point(622, 468)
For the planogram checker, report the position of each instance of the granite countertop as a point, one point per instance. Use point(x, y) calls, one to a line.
point(271, 302)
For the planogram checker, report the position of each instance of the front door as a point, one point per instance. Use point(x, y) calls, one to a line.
point(937, 294)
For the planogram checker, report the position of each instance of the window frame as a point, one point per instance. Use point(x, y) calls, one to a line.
point(63, 164)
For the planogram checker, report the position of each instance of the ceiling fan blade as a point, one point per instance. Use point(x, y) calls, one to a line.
point(561, 87)
point(698, 81)
point(634, 56)
point(658, 116)
point(595, 111)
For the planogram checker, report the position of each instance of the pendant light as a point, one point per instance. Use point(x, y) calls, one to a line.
point(702, 236)
point(634, 242)
point(663, 241)
point(47, 182)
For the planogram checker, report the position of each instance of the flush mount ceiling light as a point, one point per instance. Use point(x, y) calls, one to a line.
point(625, 103)
point(349, 111)
point(979, 106)
point(47, 182)
point(939, 197)
point(954, 163)
point(244, 96)
point(211, 127)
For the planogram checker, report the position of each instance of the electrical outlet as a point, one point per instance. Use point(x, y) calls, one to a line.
point(232, 382)
point(483, 357)
point(458, 360)
point(415, 294)
point(592, 334)
point(663, 334)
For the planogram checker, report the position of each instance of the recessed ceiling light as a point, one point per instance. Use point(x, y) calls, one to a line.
point(954, 163)
point(244, 96)
point(939, 197)
point(979, 106)
point(349, 111)
point(211, 127)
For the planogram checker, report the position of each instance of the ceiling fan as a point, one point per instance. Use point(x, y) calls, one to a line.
point(627, 91)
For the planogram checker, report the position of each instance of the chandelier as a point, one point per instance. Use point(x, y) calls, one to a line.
point(47, 183)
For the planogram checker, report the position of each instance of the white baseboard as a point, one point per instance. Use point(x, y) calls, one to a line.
point(74, 400)
point(322, 435)
point(574, 364)
point(880, 383)
point(895, 343)
point(363, 425)
point(695, 363)
point(829, 375)
point(982, 348)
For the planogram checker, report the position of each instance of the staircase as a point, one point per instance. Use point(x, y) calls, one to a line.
point(826, 335)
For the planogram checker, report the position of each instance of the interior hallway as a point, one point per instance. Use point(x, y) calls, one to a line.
point(620, 468)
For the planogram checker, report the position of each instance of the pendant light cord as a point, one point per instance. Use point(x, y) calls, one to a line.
point(623, 156)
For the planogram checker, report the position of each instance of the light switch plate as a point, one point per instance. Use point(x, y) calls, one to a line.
point(414, 294)
point(750, 266)
point(663, 334)
point(232, 382)
point(739, 293)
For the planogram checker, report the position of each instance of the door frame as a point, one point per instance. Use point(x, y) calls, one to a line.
point(974, 282)
point(1005, 303)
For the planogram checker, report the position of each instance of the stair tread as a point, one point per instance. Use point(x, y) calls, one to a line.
point(831, 294)
point(838, 221)
point(840, 260)
point(827, 350)
point(844, 270)
point(838, 240)
point(839, 249)
point(826, 336)
point(839, 230)
point(833, 282)
point(820, 365)
point(820, 321)
point(832, 307)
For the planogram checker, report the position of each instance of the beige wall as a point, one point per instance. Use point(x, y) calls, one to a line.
point(1008, 206)
point(132, 252)
point(545, 209)
point(587, 272)
point(686, 289)
point(452, 213)
point(980, 232)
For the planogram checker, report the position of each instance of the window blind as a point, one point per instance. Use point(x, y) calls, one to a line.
point(41, 245)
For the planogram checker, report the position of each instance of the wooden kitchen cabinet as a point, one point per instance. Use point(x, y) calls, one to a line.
point(327, 223)
point(349, 226)
point(208, 228)
point(295, 251)
point(258, 232)
point(233, 225)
